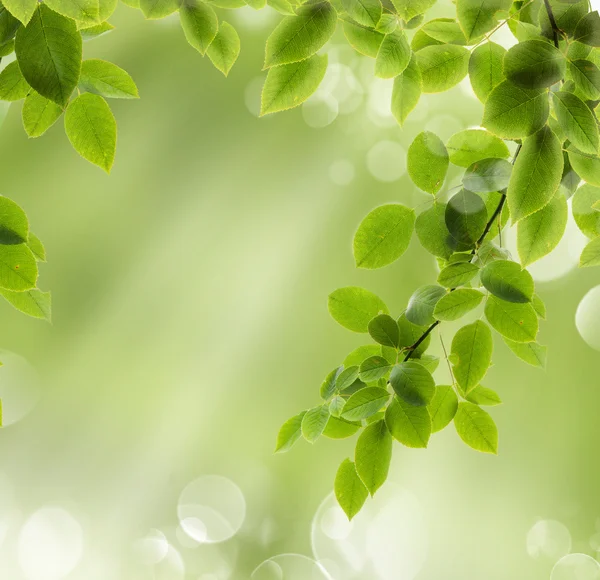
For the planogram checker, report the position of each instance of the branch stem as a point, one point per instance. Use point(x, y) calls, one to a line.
point(555, 28)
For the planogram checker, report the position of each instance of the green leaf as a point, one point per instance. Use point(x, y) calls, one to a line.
point(409, 334)
point(91, 32)
point(539, 233)
point(48, 51)
point(346, 378)
point(373, 455)
point(387, 23)
point(92, 129)
point(536, 174)
point(289, 433)
point(485, 69)
point(445, 30)
point(456, 304)
point(566, 16)
point(156, 9)
point(587, 78)
point(374, 368)
point(409, 9)
point(534, 64)
point(427, 162)
point(33, 302)
point(443, 407)
point(531, 352)
point(13, 87)
point(413, 383)
point(107, 79)
point(85, 12)
point(37, 248)
point(354, 307)
point(477, 17)
point(577, 121)
point(39, 114)
point(483, 396)
point(422, 304)
point(365, 403)
point(471, 350)
point(22, 10)
point(442, 66)
point(314, 422)
point(472, 145)
point(18, 268)
point(384, 330)
point(329, 384)
point(466, 217)
point(487, 175)
point(383, 236)
point(362, 39)
point(508, 281)
point(407, 424)
point(225, 48)
point(432, 232)
point(298, 37)
point(336, 405)
point(586, 166)
point(337, 428)
point(365, 12)
point(350, 491)
point(429, 361)
point(586, 217)
point(421, 40)
point(14, 226)
point(476, 428)
point(591, 254)
point(282, 6)
point(588, 29)
point(198, 21)
point(393, 56)
point(539, 306)
point(290, 85)
point(518, 322)
point(362, 353)
point(512, 112)
point(457, 274)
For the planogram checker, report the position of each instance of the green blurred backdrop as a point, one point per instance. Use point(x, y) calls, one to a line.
point(189, 306)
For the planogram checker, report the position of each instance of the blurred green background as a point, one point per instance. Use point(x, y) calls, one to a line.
point(190, 321)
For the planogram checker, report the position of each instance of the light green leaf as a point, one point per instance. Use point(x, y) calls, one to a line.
point(198, 21)
point(445, 30)
point(373, 455)
point(13, 87)
point(360, 354)
point(471, 350)
point(18, 268)
point(587, 78)
point(476, 428)
point(427, 162)
point(225, 48)
point(156, 9)
point(536, 174)
point(91, 32)
point(456, 304)
point(413, 383)
point(289, 433)
point(485, 69)
point(329, 384)
point(586, 166)
point(48, 51)
point(383, 236)
point(384, 330)
point(477, 17)
point(483, 396)
point(539, 306)
point(457, 274)
point(591, 254)
point(39, 114)
point(85, 12)
point(336, 405)
point(282, 6)
point(374, 368)
point(586, 217)
point(37, 248)
point(534, 64)
point(393, 56)
point(14, 226)
point(350, 491)
point(577, 121)
point(508, 281)
point(512, 112)
point(443, 407)
point(354, 307)
point(92, 129)
point(22, 10)
point(472, 145)
point(518, 322)
point(429, 361)
point(539, 233)
point(432, 232)
point(31, 302)
point(407, 424)
point(365, 403)
point(298, 37)
point(387, 23)
point(409, 9)
point(290, 85)
point(466, 217)
point(337, 428)
point(531, 352)
point(422, 304)
point(107, 79)
point(588, 29)
point(346, 378)
point(409, 334)
point(487, 175)
point(421, 39)
point(362, 39)
point(365, 12)
point(314, 422)
point(442, 66)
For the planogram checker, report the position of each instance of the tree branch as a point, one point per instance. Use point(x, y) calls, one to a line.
point(555, 28)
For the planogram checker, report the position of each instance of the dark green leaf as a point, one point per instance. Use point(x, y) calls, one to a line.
point(534, 64)
point(588, 29)
point(466, 217)
point(406, 91)
point(432, 232)
point(14, 226)
point(508, 281)
point(487, 175)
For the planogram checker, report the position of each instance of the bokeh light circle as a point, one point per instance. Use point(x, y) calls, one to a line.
point(211, 509)
point(576, 567)
point(386, 161)
point(50, 544)
point(152, 548)
point(19, 387)
point(290, 567)
point(341, 172)
point(587, 316)
point(320, 111)
point(548, 539)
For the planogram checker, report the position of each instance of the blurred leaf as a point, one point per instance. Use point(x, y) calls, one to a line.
point(407, 424)
point(481, 395)
point(586, 217)
point(360, 354)
point(432, 232)
point(33, 302)
point(445, 30)
point(588, 29)
point(409, 9)
point(36, 247)
point(587, 77)
point(91, 32)
point(476, 428)
point(591, 254)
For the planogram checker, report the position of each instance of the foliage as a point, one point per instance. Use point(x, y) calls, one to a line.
point(539, 139)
